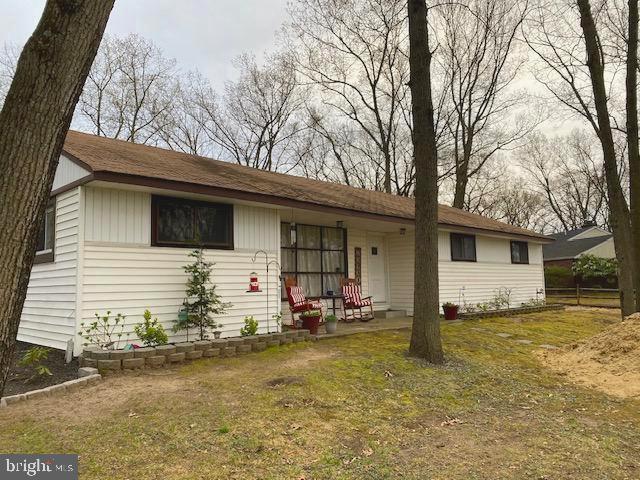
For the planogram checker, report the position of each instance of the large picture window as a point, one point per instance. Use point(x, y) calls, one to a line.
point(177, 222)
point(463, 247)
point(519, 252)
point(315, 256)
point(45, 242)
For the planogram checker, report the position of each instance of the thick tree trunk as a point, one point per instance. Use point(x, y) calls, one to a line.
point(425, 334)
point(33, 123)
point(632, 141)
point(619, 211)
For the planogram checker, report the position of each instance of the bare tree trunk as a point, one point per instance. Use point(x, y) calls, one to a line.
point(33, 123)
point(425, 334)
point(462, 179)
point(619, 211)
point(632, 141)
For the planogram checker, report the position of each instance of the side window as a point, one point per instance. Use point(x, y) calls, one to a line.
point(463, 247)
point(45, 243)
point(519, 252)
point(177, 222)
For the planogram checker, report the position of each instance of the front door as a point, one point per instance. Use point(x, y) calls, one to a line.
point(377, 269)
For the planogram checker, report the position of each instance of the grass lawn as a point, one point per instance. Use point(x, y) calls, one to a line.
point(353, 407)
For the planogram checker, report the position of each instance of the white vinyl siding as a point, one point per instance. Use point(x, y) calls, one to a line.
point(481, 280)
point(605, 250)
point(67, 172)
point(124, 217)
point(117, 216)
point(48, 316)
point(129, 280)
point(253, 229)
point(123, 273)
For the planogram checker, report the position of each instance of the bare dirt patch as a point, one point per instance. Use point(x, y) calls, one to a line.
point(608, 361)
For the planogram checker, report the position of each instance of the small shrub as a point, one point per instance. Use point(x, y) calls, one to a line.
point(483, 307)
point(151, 332)
point(501, 298)
point(223, 429)
point(534, 302)
point(104, 332)
point(250, 326)
point(558, 277)
point(449, 305)
point(277, 318)
point(330, 318)
point(311, 313)
point(33, 358)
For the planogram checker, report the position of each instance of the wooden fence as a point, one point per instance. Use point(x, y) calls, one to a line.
point(590, 297)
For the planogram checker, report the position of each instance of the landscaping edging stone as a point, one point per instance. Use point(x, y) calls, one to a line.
point(153, 357)
point(84, 380)
point(507, 312)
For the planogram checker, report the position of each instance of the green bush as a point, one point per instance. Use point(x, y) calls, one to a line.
point(33, 358)
point(250, 327)
point(104, 332)
point(558, 277)
point(590, 266)
point(151, 332)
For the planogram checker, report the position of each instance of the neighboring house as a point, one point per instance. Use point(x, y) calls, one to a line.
point(587, 240)
point(123, 218)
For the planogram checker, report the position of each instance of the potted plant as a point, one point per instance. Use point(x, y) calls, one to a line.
point(330, 323)
point(450, 310)
point(311, 320)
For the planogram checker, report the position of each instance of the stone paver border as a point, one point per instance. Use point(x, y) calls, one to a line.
point(154, 357)
point(95, 362)
point(87, 377)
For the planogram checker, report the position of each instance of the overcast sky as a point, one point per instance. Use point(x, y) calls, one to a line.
point(200, 34)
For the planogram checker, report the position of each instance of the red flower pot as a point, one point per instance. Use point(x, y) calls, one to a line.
point(450, 312)
point(311, 324)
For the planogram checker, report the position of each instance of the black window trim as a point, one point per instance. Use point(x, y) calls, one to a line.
point(156, 200)
point(48, 256)
point(322, 273)
point(519, 242)
point(452, 236)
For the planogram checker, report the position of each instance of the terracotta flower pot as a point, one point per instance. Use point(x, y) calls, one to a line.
point(311, 324)
point(450, 312)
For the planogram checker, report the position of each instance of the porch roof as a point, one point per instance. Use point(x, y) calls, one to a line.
point(125, 162)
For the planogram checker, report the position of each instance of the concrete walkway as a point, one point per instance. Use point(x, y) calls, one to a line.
point(375, 325)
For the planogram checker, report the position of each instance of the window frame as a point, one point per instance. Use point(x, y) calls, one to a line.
point(288, 274)
point(452, 237)
point(47, 255)
point(519, 242)
point(157, 200)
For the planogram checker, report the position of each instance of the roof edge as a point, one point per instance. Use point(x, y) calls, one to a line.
point(188, 187)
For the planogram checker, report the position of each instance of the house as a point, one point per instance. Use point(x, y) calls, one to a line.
point(123, 218)
point(586, 240)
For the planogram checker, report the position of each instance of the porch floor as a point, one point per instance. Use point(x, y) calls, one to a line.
point(377, 324)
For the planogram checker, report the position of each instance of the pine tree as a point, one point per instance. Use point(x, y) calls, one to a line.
point(202, 301)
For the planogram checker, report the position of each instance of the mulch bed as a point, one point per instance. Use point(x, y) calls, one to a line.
point(18, 379)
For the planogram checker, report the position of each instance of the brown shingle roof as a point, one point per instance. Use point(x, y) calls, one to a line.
point(120, 161)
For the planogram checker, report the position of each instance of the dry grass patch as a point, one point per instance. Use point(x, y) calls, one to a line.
point(354, 407)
